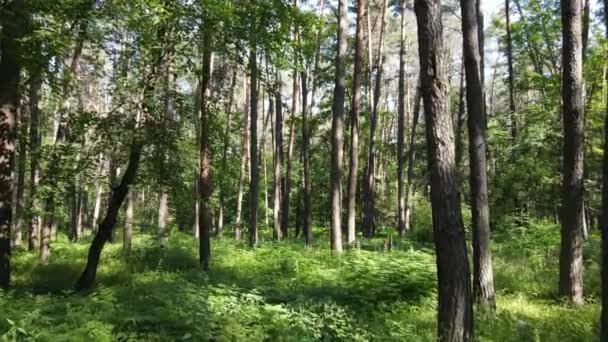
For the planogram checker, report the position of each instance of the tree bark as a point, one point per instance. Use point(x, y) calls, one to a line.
point(129, 220)
point(244, 159)
point(411, 155)
point(483, 279)
point(369, 197)
point(277, 161)
point(571, 257)
point(307, 214)
point(401, 120)
point(224, 165)
point(455, 312)
point(253, 153)
point(511, 78)
point(337, 130)
point(34, 140)
point(290, 147)
point(206, 185)
point(604, 213)
point(10, 69)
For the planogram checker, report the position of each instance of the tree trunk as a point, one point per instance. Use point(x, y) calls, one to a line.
point(277, 160)
point(290, 147)
point(511, 78)
point(571, 257)
point(307, 215)
point(253, 153)
point(262, 151)
point(106, 227)
point(354, 127)
point(337, 130)
point(369, 197)
point(401, 120)
point(34, 140)
point(455, 312)
point(483, 279)
point(206, 186)
point(244, 155)
point(224, 165)
point(129, 220)
point(411, 155)
point(604, 213)
point(10, 69)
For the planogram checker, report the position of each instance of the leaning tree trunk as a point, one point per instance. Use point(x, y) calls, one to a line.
point(10, 70)
point(369, 197)
point(483, 279)
point(455, 312)
point(401, 120)
point(337, 130)
point(604, 214)
point(206, 186)
point(571, 256)
point(253, 152)
point(354, 128)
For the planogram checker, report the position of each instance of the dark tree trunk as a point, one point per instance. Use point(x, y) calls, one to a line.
point(461, 121)
point(290, 147)
point(455, 312)
point(34, 140)
point(129, 220)
point(278, 229)
point(511, 76)
point(307, 214)
point(411, 156)
point(10, 69)
point(369, 196)
point(20, 188)
point(206, 186)
point(354, 128)
point(253, 153)
point(571, 256)
point(604, 213)
point(337, 130)
point(483, 279)
point(224, 165)
point(401, 120)
point(104, 232)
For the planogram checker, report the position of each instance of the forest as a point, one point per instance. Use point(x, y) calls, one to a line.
point(304, 170)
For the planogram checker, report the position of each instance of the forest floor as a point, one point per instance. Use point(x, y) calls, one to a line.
point(285, 292)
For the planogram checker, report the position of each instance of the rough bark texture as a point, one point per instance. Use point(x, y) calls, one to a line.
point(369, 196)
point(571, 256)
point(307, 214)
point(10, 69)
point(401, 120)
point(455, 313)
point(254, 186)
point(337, 130)
point(206, 186)
point(483, 279)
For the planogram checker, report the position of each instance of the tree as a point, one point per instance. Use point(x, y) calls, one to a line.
point(401, 120)
point(369, 197)
point(571, 257)
point(253, 152)
point(354, 126)
point(337, 130)
point(483, 279)
point(604, 212)
point(277, 159)
point(455, 316)
point(10, 70)
point(511, 76)
point(244, 156)
point(307, 222)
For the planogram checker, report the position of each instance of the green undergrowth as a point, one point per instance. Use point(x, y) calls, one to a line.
point(286, 292)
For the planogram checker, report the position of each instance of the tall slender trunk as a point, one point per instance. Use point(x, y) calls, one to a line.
point(604, 213)
point(369, 198)
point(337, 130)
point(571, 256)
point(244, 158)
point(34, 140)
point(401, 120)
point(20, 179)
point(224, 165)
point(411, 155)
point(511, 78)
point(455, 312)
point(307, 215)
point(98, 193)
point(290, 147)
point(129, 220)
point(278, 229)
point(253, 153)
point(315, 80)
point(483, 279)
point(354, 127)
point(262, 151)
point(206, 186)
point(10, 69)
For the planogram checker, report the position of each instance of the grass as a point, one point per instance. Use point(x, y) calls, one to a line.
point(285, 292)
